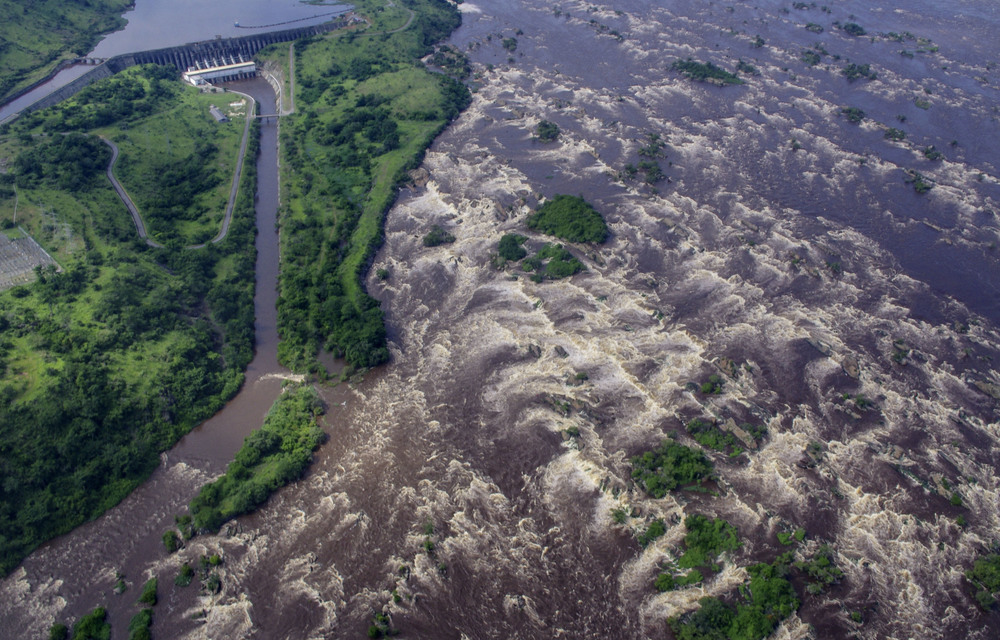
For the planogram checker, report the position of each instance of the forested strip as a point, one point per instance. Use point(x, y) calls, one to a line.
point(271, 457)
point(367, 111)
point(35, 35)
point(107, 363)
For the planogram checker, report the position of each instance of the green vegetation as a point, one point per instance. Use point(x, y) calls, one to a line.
point(853, 29)
point(932, 154)
point(381, 626)
point(747, 68)
point(893, 133)
point(138, 626)
point(510, 247)
point(655, 529)
point(109, 362)
point(93, 626)
point(853, 114)
point(854, 71)
point(985, 577)
point(713, 385)
point(36, 36)
point(58, 631)
point(171, 541)
point(149, 592)
point(708, 434)
point(757, 42)
point(791, 538)
point(571, 218)
point(452, 61)
point(547, 131)
point(552, 261)
point(762, 604)
point(705, 72)
point(821, 569)
point(437, 236)
point(705, 540)
point(366, 110)
point(813, 27)
point(668, 467)
point(184, 576)
point(271, 457)
point(810, 57)
point(921, 184)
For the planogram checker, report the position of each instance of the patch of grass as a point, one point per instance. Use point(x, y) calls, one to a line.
point(853, 29)
point(985, 577)
point(93, 626)
point(821, 569)
point(762, 603)
point(184, 576)
point(655, 529)
point(920, 183)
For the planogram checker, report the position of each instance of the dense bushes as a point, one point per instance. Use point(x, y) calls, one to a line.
point(571, 218)
point(668, 467)
point(138, 345)
point(764, 602)
point(356, 135)
point(985, 576)
point(271, 457)
point(705, 72)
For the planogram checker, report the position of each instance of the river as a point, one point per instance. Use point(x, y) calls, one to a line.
point(469, 486)
point(69, 570)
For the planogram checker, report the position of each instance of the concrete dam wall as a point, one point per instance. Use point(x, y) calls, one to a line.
point(212, 52)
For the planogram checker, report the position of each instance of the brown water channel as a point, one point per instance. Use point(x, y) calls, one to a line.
point(71, 575)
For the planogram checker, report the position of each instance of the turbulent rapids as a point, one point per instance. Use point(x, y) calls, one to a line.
point(475, 486)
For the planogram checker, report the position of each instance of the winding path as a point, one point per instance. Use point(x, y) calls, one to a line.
point(140, 226)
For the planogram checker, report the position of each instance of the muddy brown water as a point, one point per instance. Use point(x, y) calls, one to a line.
point(79, 565)
point(465, 440)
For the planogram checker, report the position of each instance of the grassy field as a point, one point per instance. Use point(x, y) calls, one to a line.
point(176, 161)
point(36, 36)
point(109, 361)
point(177, 135)
point(366, 109)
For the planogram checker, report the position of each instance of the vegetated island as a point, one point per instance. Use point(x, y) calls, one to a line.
point(271, 457)
point(367, 109)
point(570, 218)
point(705, 72)
point(109, 361)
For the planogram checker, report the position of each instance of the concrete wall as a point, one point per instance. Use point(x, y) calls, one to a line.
point(184, 56)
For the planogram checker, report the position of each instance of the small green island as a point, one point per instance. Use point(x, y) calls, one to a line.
point(271, 457)
point(570, 218)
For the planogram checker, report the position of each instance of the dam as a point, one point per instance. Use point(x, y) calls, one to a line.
point(230, 54)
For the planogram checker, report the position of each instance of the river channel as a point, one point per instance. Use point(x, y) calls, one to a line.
point(61, 580)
